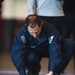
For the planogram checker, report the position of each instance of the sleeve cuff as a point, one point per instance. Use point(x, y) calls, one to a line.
point(22, 72)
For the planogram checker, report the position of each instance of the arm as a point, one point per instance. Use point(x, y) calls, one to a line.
point(17, 54)
point(55, 53)
point(54, 48)
point(31, 7)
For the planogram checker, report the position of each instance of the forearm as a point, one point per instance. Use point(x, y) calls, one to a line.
point(22, 72)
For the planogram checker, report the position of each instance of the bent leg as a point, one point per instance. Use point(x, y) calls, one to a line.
point(32, 61)
point(67, 50)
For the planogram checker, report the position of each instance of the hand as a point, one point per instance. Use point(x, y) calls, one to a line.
point(50, 73)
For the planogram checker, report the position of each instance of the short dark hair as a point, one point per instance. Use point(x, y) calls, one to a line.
point(32, 20)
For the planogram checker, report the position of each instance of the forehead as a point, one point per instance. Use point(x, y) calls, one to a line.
point(36, 28)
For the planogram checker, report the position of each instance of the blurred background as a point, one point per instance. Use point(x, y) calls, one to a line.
point(12, 15)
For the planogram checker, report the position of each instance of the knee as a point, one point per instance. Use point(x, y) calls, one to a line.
point(31, 57)
point(71, 45)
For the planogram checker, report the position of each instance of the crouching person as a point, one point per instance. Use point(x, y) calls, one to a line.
point(38, 39)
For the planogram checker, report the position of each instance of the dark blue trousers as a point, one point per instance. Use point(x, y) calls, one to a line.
point(57, 22)
point(32, 59)
point(69, 27)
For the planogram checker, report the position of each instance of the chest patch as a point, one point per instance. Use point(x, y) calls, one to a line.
point(23, 39)
point(51, 39)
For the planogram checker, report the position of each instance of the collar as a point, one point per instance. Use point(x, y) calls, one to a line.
point(42, 36)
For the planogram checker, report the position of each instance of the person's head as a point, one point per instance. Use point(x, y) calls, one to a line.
point(34, 24)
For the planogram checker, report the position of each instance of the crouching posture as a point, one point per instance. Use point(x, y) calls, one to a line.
point(38, 39)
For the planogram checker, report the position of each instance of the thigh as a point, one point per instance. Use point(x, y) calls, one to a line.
point(57, 22)
point(68, 47)
point(66, 28)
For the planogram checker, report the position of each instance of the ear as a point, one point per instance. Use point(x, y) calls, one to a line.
point(41, 24)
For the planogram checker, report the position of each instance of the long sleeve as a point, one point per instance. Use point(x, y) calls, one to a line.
point(55, 52)
point(17, 54)
point(30, 6)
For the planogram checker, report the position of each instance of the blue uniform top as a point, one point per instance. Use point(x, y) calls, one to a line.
point(23, 40)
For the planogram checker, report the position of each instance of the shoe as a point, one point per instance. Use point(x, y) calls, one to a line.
point(32, 73)
point(57, 74)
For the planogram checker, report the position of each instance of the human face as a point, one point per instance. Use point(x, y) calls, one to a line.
point(35, 32)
